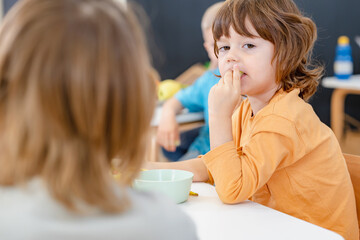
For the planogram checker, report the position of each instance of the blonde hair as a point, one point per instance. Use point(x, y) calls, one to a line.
point(209, 16)
point(281, 23)
point(75, 92)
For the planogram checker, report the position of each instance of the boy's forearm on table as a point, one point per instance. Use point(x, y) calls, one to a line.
point(172, 105)
point(226, 169)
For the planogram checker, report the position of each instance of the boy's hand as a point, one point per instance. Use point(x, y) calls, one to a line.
point(225, 96)
point(168, 132)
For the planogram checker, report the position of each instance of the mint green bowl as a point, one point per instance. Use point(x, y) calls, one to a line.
point(173, 183)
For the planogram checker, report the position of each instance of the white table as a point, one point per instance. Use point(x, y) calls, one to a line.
point(341, 89)
point(183, 117)
point(247, 220)
point(352, 83)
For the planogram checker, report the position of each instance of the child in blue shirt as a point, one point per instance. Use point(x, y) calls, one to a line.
point(195, 98)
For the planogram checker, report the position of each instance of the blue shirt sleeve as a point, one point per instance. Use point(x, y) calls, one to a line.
point(195, 96)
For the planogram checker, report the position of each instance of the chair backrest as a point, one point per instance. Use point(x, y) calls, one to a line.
point(353, 164)
point(191, 74)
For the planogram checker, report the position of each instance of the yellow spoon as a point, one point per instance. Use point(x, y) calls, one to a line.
point(191, 193)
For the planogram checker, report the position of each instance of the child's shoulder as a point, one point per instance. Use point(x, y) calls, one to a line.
point(290, 106)
point(288, 114)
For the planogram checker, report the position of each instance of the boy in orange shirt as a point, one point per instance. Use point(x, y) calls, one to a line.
point(273, 148)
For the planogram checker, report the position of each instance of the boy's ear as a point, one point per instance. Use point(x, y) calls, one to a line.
point(207, 47)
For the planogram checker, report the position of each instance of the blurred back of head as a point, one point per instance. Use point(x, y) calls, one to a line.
point(75, 92)
point(206, 28)
point(209, 16)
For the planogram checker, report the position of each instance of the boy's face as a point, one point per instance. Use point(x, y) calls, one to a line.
point(253, 56)
point(209, 45)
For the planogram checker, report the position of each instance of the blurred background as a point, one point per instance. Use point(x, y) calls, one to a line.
point(174, 37)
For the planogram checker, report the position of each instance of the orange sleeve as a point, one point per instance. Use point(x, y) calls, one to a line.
point(210, 180)
point(239, 172)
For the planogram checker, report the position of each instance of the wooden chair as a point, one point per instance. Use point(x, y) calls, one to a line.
point(191, 74)
point(353, 164)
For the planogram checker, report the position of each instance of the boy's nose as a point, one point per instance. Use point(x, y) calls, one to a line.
point(233, 56)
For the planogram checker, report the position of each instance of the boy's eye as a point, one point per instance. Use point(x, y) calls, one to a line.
point(224, 48)
point(249, 45)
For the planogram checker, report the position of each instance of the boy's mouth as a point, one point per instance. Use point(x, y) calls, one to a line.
point(242, 75)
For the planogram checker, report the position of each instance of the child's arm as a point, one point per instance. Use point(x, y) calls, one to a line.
point(195, 166)
point(223, 99)
point(168, 130)
point(239, 173)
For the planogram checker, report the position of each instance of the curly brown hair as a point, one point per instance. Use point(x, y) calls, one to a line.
point(281, 23)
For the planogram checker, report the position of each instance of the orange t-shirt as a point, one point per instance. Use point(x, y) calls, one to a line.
point(285, 158)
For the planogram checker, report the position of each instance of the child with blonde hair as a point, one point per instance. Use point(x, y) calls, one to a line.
point(75, 93)
point(195, 98)
point(273, 149)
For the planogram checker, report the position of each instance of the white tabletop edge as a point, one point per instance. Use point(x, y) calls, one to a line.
point(246, 220)
point(332, 82)
point(183, 117)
